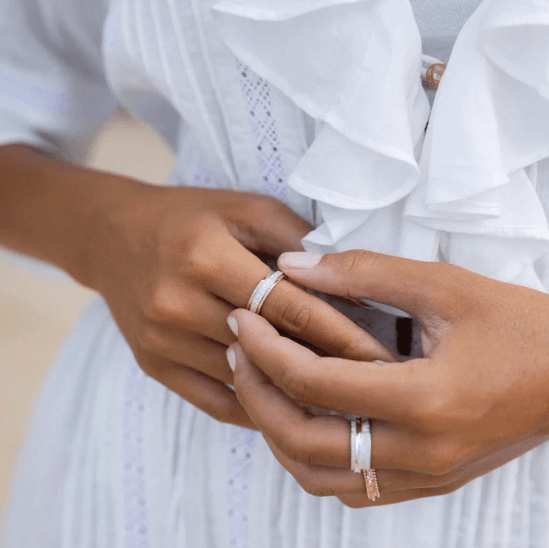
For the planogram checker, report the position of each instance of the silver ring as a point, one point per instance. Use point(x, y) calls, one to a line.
point(262, 290)
point(355, 460)
point(364, 445)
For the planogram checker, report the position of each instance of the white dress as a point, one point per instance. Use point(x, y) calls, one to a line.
point(319, 103)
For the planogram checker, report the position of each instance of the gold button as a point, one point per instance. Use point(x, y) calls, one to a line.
point(434, 74)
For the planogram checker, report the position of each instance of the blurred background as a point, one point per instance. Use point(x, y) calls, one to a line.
point(36, 314)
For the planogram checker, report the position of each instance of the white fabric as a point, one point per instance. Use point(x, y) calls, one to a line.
point(53, 93)
point(72, 475)
point(477, 171)
point(114, 459)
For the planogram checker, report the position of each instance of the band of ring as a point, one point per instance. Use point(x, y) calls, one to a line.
point(361, 455)
point(262, 290)
point(364, 444)
point(354, 459)
point(370, 483)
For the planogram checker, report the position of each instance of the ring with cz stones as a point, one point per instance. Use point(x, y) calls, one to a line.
point(262, 290)
point(370, 483)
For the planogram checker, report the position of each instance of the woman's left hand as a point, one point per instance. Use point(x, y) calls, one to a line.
point(478, 399)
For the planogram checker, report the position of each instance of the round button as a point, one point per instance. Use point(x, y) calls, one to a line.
point(434, 74)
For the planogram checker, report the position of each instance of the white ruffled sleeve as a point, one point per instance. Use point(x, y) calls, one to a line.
point(53, 94)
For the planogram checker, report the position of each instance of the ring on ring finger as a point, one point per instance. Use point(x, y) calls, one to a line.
point(361, 455)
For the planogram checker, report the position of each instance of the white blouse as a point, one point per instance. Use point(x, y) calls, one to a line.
point(319, 103)
point(341, 112)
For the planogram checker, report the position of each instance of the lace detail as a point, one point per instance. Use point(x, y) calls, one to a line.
point(239, 466)
point(241, 441)
point(136, 534)
point(258, 100)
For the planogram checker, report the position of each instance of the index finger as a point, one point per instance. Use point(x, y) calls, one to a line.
point(293, 310)
point(392, 391)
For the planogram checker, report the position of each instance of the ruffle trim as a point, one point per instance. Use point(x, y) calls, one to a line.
point(474, 199)
point(342, 65)
point(273, 10)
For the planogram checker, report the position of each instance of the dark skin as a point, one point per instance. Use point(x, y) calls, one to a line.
point(478, 399)
point(171, 263)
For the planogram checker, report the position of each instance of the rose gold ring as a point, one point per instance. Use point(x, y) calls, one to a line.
point(262, 290)
point(370, 482)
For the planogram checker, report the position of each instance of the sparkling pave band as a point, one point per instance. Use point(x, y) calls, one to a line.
point(261, 292)
point(370, 482)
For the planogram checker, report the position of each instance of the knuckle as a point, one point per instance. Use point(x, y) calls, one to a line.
point(150, 339)
point(159, 306)
point(447, 489)
point(440, 481)
point(311, 485)
point(244, 391)
point(355, 265)
point(198, 264)
point(435, 412)
point(357, 260)
point(295, 316)
point(443, 460)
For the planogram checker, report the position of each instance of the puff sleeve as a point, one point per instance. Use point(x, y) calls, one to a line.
point(53, 92)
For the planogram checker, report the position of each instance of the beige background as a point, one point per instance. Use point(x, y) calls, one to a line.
point(36, 314)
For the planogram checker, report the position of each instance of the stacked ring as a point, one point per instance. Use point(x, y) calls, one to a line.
point(262, 290)
point(361, 455)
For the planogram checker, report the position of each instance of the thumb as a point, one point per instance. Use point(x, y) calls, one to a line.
point(416, 287)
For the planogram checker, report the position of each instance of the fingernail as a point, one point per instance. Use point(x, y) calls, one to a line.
point(231, 358)
point(233, 325)
point(380, 362)
point(299, 260)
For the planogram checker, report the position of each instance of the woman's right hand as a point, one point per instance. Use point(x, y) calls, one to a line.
point(172, 263)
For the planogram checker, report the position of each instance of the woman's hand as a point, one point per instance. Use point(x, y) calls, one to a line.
point(478, 399)
point(172, 263)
